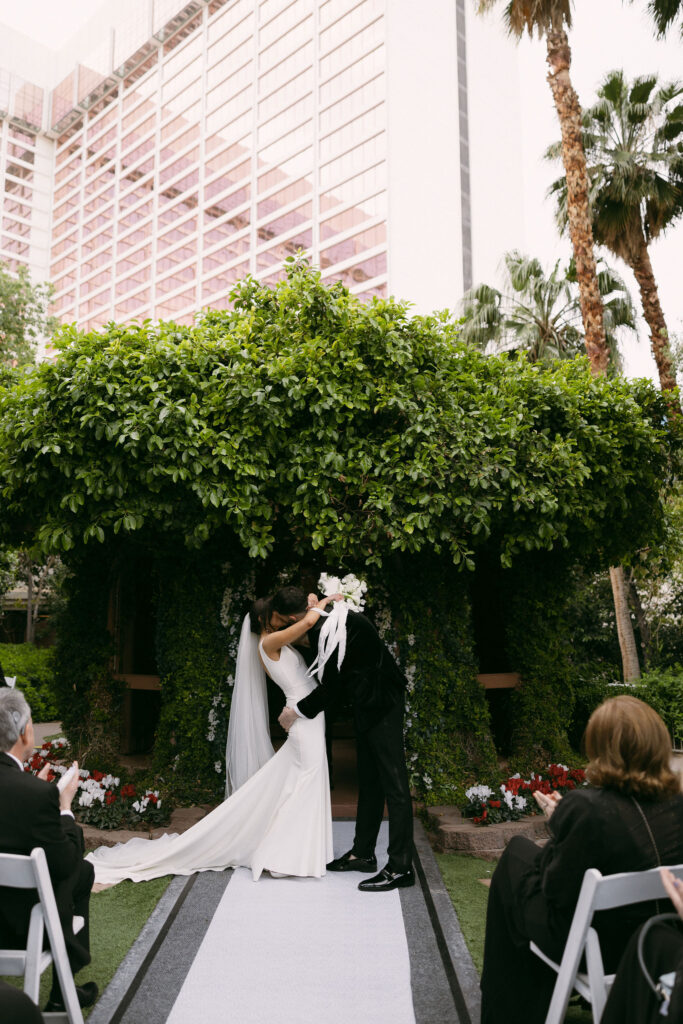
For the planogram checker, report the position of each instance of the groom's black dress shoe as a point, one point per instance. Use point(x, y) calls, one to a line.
point(387, 880)
point(87, 994)
point(349, 862)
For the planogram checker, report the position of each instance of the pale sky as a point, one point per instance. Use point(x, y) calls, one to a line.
point(606, 34)
point(50, 22)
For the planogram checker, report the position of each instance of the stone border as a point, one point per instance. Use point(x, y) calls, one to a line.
point(455, 833)
point(457, 960)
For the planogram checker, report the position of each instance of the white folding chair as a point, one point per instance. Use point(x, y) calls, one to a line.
point(598, 892)
point(10, 680)
point(20, 872)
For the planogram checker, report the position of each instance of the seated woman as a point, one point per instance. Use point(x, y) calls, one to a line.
point(629, 819)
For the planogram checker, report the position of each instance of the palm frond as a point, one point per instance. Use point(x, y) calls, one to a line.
point(633, 140)
point(538, 312)
point(664, 14)
point(532, 16)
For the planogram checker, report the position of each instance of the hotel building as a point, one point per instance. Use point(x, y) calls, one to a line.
point(172, 148)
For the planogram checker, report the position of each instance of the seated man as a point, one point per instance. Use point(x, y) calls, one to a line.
point(34, 813)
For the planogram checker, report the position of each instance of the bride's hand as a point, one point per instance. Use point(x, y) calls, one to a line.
point(312, 601)
point(326, 600)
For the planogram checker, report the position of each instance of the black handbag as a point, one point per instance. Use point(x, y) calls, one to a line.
point(668, 989)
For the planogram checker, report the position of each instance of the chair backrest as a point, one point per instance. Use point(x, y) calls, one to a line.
point(10, 680)
point(630, 887)
point(18, 871)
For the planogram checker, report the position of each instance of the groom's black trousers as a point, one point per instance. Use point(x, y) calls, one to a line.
point(382, 776)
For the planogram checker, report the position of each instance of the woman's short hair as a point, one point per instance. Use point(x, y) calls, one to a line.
point(259, 614)
point(629, 749)
point(15, 715)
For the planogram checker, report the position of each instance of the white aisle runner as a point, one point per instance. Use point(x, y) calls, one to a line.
point(300, 951)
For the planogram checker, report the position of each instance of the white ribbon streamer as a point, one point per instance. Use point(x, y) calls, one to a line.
point(332, 637)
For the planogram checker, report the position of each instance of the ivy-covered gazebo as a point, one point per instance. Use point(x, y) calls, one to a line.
point(179, 471)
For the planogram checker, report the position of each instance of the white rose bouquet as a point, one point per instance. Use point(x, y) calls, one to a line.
point(350, 587)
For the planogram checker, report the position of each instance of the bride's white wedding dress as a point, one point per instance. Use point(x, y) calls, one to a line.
point(280, 819)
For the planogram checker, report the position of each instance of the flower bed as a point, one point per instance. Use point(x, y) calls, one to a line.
point(484, 807)
point(103, 799)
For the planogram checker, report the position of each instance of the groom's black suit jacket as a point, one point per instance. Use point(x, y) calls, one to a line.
point(30, 816)
point(368, 674)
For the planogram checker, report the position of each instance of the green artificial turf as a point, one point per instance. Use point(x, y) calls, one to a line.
point(469, 897)
point(116, 919)
point(462, 876)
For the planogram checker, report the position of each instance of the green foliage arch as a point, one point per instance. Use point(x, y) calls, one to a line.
point(302, 427)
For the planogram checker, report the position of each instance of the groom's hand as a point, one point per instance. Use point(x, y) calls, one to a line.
point(287, 718)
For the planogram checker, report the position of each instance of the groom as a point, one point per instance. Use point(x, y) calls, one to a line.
point(375, 686)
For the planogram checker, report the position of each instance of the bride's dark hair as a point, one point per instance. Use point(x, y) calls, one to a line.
point(259, 614)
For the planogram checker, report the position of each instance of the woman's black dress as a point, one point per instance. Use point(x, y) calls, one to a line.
point(534, 892)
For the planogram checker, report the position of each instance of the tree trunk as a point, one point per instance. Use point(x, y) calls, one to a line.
point(581, 233)
point(654, 316)
point(578, 210)
point(627, 641)
point(29, 603)
point(643, 624)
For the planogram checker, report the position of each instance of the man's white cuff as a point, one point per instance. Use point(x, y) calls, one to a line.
point(70, 813)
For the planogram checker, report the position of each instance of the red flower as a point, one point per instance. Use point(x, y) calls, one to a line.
point(97, 776)
point(152, 798)
point(494, 803)
point(128, 789)
point(110, 797)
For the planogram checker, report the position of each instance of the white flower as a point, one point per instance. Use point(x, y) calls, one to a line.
point(520, 803)
point(411, 640)
point(225, 608)
point(217, 767)
point(136, 806)
point(478, 793)
point(350, 587)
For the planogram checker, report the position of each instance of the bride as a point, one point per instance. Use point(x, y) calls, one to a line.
point(277, 814)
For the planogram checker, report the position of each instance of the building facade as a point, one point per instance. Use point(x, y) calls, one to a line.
point(174, 147)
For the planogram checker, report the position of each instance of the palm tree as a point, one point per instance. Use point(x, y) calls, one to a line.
point(664, 13)
point(549, 19)
point(539, 313)
point(633, 138)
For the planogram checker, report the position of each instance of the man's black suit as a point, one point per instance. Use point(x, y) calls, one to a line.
point(375, 687)
point(30, 816)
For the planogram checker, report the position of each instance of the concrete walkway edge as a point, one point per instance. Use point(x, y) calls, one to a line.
point(456, 957)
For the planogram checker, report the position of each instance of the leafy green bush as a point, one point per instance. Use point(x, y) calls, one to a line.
point(35, 672)
point(662, 689)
